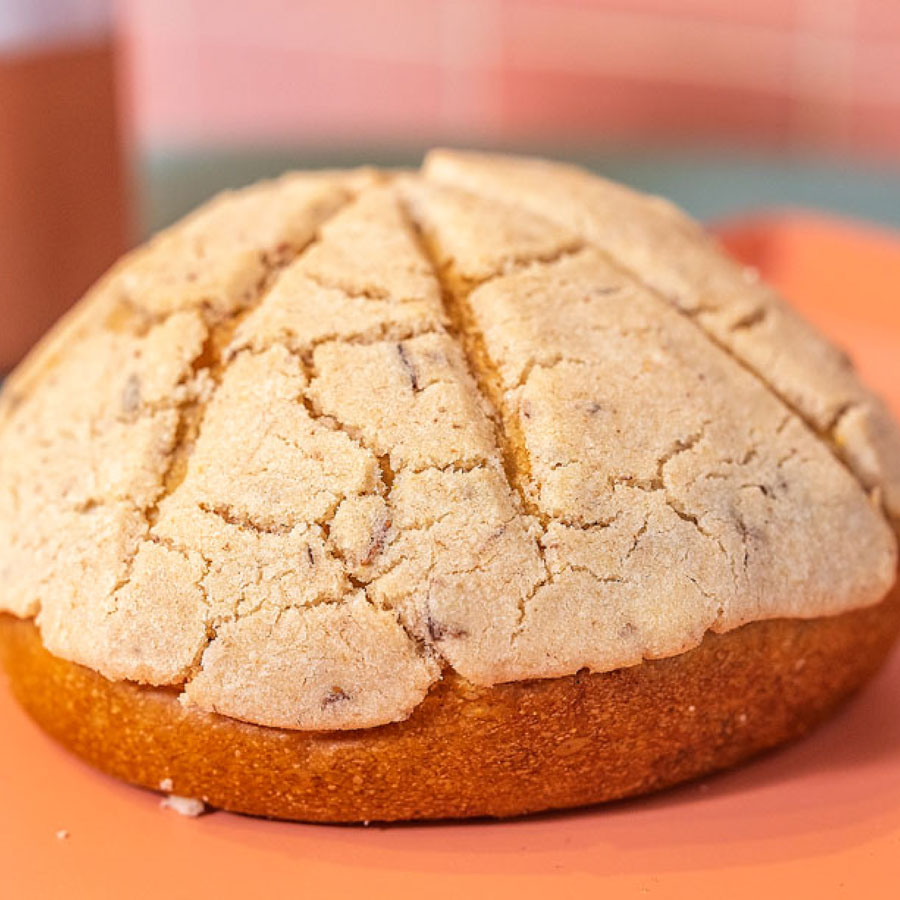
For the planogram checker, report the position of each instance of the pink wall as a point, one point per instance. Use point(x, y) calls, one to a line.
point(770, 72)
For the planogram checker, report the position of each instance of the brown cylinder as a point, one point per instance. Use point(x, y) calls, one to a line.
point(63, 216)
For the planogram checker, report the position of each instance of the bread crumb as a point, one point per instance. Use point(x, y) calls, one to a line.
point(62, 834)
point(184, 806)
point(166, 785)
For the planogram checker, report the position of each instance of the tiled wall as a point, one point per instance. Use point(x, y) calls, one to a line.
point(777, 73)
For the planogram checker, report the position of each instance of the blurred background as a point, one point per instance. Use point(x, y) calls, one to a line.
point(117, 116)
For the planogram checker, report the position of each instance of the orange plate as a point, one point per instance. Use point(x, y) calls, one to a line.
point(820, 818)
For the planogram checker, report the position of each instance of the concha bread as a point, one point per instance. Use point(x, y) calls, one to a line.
point(340, 436)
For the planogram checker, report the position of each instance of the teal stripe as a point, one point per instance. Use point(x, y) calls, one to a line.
point(710, 184)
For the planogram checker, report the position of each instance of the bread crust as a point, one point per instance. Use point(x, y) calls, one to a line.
point(470, 751)
point(334, 435)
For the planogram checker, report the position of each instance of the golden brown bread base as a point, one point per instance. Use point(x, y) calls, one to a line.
point(466, 751)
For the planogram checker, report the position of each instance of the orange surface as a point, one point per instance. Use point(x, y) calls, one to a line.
point(818, 819)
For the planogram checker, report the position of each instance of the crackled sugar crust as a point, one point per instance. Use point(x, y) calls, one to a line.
point(335, 433)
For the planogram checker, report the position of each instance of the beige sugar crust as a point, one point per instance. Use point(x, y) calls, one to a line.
point(336, 433)
point(674, 256)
